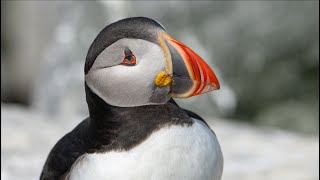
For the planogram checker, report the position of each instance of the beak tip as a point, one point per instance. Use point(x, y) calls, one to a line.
point(203, 78)
point(217, 86)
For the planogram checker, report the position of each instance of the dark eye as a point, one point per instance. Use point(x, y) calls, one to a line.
point(129, 58)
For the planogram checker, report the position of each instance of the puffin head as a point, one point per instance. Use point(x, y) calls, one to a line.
point(134, 62)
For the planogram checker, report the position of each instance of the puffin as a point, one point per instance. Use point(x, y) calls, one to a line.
point(135, 130)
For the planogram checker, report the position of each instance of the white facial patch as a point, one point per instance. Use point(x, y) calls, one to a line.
point(128, 86)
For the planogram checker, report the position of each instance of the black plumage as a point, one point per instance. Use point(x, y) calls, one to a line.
point(111, 128)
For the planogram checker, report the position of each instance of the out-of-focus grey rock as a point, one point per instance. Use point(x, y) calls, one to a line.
point(60, 87)
point(264, 53)
point(250, 153)
point(26, 28)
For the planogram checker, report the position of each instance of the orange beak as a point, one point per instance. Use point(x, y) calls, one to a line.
point(191, 74)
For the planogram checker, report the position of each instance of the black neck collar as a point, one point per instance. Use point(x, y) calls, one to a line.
point(120, 128)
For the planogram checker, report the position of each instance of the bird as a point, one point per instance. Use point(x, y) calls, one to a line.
point(135, 129)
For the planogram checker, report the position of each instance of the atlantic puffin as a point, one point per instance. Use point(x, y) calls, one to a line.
point(135, 130)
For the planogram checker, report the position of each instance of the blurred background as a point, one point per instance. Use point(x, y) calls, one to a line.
point(265, 54)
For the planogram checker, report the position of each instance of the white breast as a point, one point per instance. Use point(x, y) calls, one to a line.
point(172, 153)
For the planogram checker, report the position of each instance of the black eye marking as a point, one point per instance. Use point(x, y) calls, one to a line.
point(127, 51)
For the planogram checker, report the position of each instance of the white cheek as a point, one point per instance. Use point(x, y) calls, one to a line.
point(127, 86)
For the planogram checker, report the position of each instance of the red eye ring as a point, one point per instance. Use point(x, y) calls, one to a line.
point(129, 60)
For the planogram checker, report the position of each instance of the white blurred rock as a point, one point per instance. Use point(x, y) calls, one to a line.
point(250, 153)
